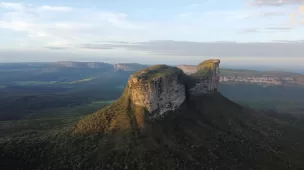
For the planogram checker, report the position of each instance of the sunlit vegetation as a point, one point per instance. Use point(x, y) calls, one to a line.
point(208, 64)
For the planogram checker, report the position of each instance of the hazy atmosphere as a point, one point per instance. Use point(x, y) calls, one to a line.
point(239, 32)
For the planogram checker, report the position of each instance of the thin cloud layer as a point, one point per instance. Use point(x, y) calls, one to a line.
point(96, 46)
point(277, 2)
point(63, 24)
point(219, 49)
point(211, 28)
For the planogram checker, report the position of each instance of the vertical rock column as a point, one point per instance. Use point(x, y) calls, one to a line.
point(207, 77)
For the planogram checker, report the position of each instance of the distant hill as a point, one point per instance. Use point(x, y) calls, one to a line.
point(83, 64)
point(129, 67)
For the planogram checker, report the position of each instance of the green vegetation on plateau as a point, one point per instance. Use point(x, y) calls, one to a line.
point(205, 68)
point(157, 71)
point(208, 64)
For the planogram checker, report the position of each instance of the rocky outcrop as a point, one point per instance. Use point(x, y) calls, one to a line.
point(207, 77)
point(158, 89)
point(162, 88)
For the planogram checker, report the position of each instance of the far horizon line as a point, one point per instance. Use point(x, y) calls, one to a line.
point(229, 66)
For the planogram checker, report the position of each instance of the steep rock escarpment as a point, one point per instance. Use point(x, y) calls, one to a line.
point(158, 89)
point(161, 88)
point(207, 77)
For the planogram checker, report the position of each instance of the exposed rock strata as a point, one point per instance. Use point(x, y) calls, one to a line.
point(157, 94)
point(162, 88)
point(207, 77)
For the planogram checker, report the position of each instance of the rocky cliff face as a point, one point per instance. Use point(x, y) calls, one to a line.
point(162, 88)
point(158, 89)
point(207, 77)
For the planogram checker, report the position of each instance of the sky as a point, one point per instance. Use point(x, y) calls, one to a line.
point(239, 32)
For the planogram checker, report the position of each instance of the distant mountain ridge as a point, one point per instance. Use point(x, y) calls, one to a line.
point(97, 65)
point(83, 64)
point(239, 76)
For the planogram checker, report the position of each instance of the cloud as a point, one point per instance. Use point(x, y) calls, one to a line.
point(54, 8)
point(221, 49)
point(268, 29)
point(279, 28)
point(277, 2)
point(55, 48)
point(271, 13)
point(249, 30)
point(30, 8)
point(45, 24)
point(14, 6)
point(96, 46)
point(302, 9)
point(296, 17)
point(115, 42)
